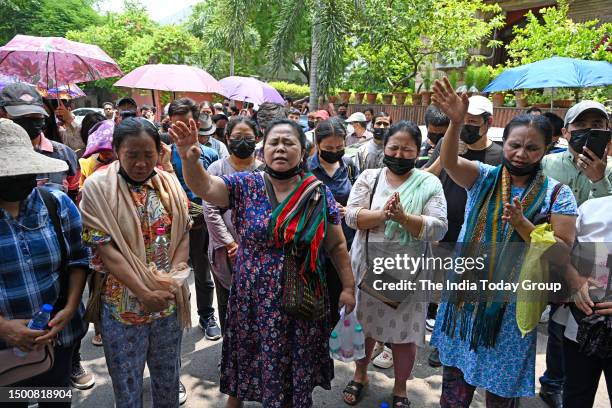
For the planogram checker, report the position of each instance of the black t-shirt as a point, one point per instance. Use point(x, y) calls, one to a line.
point(425, 154)
point(456, 196)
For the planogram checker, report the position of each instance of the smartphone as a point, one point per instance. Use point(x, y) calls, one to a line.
point(597, 141)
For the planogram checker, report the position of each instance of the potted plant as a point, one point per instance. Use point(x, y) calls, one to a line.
point(521, 99)
point(332, 98)
point(482, 77)
point(563, 98)
point(538, 100)
point(371, 97)
point(498, 99)
point(359, 97)
point(345, 96)
point(426, 93)
point(400, 97)
point(453, 78)
point(469, 78)
point(387, 96)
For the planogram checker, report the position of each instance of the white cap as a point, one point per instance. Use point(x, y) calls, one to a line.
point(479, 105)
point(356, 117)
point(581, 107)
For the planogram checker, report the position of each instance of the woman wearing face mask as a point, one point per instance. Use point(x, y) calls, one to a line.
point(142, 309)
point(338, 173)
point(486, 348)
point(269, 354)
point(405, 205)
point(223, 241)
point(370, 154)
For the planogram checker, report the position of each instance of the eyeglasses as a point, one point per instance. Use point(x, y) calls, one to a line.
point(249, 138)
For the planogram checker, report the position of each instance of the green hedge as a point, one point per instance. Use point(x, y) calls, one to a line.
point(288, 89)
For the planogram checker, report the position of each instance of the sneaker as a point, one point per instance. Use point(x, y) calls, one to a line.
point(378, 348)
point(96, 340)
point(429, 324)
point(182, 393)
point(384, 359)
point(80, 378)
point(211, 329)
point(545, 315)
point(434, 359)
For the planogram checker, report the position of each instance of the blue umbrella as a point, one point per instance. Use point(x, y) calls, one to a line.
point(556, 72)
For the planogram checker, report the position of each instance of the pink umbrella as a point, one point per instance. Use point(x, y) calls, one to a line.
point(173, 78)
point(55, 61)
point(250, 90)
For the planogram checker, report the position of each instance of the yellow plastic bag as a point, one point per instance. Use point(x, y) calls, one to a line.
point(530, 304)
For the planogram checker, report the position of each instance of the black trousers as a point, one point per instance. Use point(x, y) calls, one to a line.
point(57, 376)
point(204, 286)
point(222, 297)
point(582, 375)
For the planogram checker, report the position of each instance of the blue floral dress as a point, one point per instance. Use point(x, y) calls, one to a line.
point(268, 356)
point(508, 369)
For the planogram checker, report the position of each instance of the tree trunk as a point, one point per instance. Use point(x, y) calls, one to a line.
point(314, 59)
point(231, 67)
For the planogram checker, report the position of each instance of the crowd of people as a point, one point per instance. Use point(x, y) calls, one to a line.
point(274, 214)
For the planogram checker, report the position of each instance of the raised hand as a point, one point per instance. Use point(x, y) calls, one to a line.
point(453, 105)
point(185, 139)
point(513, 213)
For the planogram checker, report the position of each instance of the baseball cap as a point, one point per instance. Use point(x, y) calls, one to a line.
point(356, 117)
point(218, 106)
point(207, 127)
point(21, 99)
point(321, 114)
point(581, 107)
point(479, 105)
point(126, 100)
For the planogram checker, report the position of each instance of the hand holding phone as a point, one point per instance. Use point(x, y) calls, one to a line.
point(597, 141)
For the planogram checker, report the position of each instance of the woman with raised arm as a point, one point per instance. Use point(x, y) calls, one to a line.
point(283, 217)
point(480, 342)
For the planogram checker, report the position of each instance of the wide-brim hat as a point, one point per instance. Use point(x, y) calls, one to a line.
point(17, 156)
point(207, 127)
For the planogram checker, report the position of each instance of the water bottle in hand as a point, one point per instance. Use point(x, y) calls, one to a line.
point(346, 345)
point(359, 342)
point(38, 322)
point(161, 248)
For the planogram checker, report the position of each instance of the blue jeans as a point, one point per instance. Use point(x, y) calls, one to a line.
point(128, 347)
point(554, 376)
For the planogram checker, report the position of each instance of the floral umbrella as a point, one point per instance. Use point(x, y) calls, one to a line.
point(54, 61)
point(71, 91)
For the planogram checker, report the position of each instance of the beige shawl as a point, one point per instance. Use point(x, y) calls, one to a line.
point(107, 206)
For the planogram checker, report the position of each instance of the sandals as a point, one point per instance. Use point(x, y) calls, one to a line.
point(400, 402)
point(96, 340)
point(355, 389)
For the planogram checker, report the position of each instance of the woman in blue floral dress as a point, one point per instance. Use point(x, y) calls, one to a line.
point(269, 355)
point(480, 343)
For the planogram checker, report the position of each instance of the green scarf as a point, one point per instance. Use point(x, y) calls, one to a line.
point(414, 194)
point(484, 226)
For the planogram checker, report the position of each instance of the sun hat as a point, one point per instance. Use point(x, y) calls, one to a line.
point(356, 117)
point(207, 127)
point(17, 156)
point(100, 138)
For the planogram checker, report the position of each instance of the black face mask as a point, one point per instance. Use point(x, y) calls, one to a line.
point(17, 188)
point(521, 171)
point(311, 124)
point(399, 165)
point(470, 134)
point(331, 157)
point(578, 139)
point(32, 126)
point(379, 133)
point(131, 181)
point(435, 137)
point(220, 132)
point(342, 115)
point(242, 148)
point(283, 175)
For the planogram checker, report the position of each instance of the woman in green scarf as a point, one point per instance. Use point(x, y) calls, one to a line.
point(479, 341)
point(395, 204)
point(275, 343)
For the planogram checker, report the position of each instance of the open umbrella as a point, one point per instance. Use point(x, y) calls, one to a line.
point(55, 61)
point(556, 72)
point(173, 78)
point(250, 90)
point(71, 91)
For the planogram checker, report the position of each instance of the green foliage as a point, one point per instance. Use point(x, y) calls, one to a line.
point(482, 77)
point(469, 78)
point(558, 35)
point(600, 94)
point(400, 36)
point(453, 78)
point(534, 97)
point(46, 18)
point(295, 91)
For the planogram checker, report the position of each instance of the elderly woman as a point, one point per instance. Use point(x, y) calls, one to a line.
point(125, 207)
point(480, 343)
point(223, 242)
point(397, 203)
point(275, 346)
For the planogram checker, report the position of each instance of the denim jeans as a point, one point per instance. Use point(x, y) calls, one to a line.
point(554, 376)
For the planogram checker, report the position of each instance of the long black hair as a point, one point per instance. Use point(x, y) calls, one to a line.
point(407, 126)
point(89, 120)
point(328, 128)
point(132, 127)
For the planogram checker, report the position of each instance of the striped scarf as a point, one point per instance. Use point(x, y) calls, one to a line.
point(488, 234)
point(298, 225)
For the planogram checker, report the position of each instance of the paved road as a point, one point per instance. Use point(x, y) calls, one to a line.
point(201, 377)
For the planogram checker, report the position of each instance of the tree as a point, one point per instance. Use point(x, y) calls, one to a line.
point(555, 34)
point(47, 18)
point(399, 36)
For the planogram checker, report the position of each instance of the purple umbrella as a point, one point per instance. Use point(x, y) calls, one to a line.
point(55, 61)
point(250, 90)
point(71, 91)
point(174, 78)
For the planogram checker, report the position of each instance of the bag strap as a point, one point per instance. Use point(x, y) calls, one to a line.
point(553, 198)
point(367, 240)
point(52, 209)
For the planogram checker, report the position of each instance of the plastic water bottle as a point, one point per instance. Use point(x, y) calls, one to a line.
point(161, 247)
point(359, 341)
point(334, 343)
point(346, 342)
point(38, 322)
